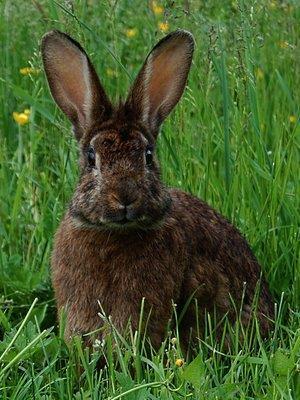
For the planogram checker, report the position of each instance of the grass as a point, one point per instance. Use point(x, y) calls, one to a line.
point(233, 141)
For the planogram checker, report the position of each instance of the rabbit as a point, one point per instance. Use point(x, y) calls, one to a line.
point(125, 236)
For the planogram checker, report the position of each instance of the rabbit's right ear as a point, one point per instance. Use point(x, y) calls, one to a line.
point(162, 79)
point(73, 81)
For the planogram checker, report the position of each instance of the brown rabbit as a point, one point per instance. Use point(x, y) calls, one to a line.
point(125, 235)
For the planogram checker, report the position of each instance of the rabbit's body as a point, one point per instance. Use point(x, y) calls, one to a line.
point(125, 236)
point(197, 252)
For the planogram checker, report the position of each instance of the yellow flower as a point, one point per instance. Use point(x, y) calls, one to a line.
point(179, 362)
point(29, 71)
point(293, 119)
point(27, 111)
point(273, 4)
point(163, 26)
point(283, 44)
point(234, 5)
point(20, 118)
point(259, 73)
point(174, 340)
point(156, 8)
point(288, 8)
point(130, 33)
point(111, 72)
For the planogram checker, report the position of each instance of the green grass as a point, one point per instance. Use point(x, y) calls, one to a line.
point(233, 141)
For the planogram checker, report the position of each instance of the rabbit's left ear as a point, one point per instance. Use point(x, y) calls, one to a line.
point(73, 81)
point(162, 79)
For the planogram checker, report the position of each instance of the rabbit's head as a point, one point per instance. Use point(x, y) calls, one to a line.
point(119, 184)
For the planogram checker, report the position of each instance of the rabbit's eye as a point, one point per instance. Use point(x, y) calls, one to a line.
point(91, 157)
point(149, 157)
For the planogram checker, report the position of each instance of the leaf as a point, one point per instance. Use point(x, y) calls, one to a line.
point(281, 383)
point(194, 372)
point(224, 391)
point(282, 364)
point(40, 313)
point(126, 383)
point(142, 394)
point(124, 380)
point(26, 96)
point(296, 347)
point(263, 172)
point(256, 360)
point(4, 322)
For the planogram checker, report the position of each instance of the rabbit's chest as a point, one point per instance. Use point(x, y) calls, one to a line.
point(119, 275)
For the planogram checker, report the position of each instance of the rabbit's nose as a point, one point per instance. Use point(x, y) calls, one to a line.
point(125, 201)
point(125, 208)
point(126, 193)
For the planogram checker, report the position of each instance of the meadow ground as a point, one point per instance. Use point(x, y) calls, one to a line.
point(233, 141)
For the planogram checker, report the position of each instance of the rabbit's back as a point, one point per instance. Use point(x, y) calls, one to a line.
point(224, 274)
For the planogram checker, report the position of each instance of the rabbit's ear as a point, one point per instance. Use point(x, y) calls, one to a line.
point(73, 81)
point(162, 79)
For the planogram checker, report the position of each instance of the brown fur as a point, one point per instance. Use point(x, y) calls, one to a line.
point(125, 236)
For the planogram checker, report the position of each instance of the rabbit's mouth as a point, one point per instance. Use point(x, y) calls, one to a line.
point(125, 219)
point(139, 215)
point(123, 223)
point(80, 221)
point(142, 223)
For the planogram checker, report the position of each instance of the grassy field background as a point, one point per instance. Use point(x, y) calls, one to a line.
point(233, 141)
